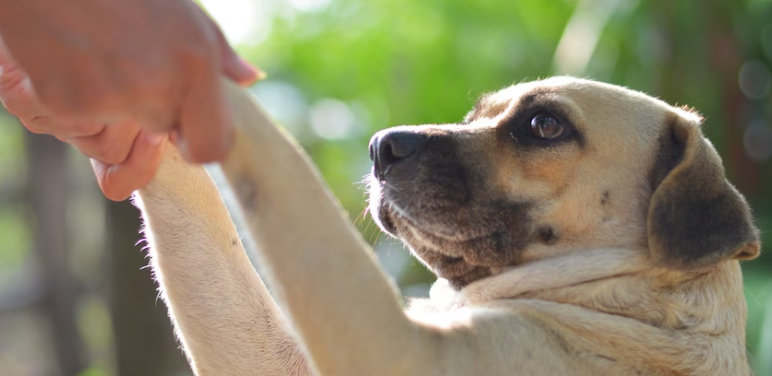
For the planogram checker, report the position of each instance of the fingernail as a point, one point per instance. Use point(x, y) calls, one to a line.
point(153, 138)
point(250, 72)
point(260, 74)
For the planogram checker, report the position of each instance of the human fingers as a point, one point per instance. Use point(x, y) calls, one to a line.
point(19, 98)
point(112, 144)
point(16, 91)
point(205, 125)
point(233, 66)
point(119, 181)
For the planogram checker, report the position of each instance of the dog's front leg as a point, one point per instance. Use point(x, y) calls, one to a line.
point(343, 306)
point(223, 314)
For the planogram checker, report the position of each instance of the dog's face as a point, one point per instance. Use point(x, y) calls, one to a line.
point(544, 168)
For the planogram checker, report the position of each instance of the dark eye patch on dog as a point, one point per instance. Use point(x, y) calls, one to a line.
point(540, 123)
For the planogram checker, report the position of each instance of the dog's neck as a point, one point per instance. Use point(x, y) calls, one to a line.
point(555, 272)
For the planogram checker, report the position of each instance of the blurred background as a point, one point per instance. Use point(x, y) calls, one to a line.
point(75, 298)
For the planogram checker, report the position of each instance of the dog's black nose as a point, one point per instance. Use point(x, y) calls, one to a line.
point(390, 146)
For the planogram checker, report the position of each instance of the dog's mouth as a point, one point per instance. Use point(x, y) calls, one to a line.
point(461, 243)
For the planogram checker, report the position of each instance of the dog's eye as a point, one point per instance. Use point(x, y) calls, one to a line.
point(544, 125)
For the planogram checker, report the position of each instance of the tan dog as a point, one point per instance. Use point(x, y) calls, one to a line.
point(579, 228)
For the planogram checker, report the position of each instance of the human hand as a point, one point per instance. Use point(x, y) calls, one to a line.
point(124, 157)
point(157, 62)
point(114, 124)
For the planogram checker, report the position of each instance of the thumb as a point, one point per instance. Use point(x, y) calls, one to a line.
point(119, 181)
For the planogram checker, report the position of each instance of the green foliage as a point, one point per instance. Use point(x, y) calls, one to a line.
point(95, 371)
point(11, 150)
point(15, 240)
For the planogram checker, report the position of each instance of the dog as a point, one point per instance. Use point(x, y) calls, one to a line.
point(576, 227)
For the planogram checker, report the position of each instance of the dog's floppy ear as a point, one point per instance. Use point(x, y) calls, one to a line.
point(696, 218)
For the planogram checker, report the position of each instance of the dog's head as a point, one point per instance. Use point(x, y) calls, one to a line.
point(549, 167)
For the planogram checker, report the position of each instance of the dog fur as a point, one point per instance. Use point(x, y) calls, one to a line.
point(610, 250)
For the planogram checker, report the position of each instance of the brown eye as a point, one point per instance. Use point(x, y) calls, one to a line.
point(543, 125)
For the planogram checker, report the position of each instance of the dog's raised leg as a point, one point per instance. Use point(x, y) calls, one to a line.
point(225, 318)
point(331, 286)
